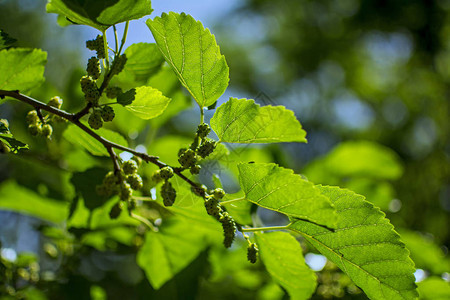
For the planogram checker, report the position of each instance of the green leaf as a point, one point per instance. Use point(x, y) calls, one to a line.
point(143, 60)
point(192, 52)
point(425, 254)
point(5, 40)
point(167, 252)
point(78, 136)
point(145, 102)
point(15, 145)
point(17, 198)
point(356, 159)
point(279, 189)
point(244, 121)
point(100, 14)
point(364, 246)
point(434, 288)
point(21, 69)
point(148, 103)
point(282, 255)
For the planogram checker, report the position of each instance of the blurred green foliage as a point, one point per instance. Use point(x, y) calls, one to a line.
point(365, 78)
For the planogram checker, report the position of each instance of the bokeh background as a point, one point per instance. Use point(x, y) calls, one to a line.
point(369, 81)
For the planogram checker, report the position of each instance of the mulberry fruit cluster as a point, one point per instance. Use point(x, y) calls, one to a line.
point(121, 183)
point(98, 46)
point(36, 126)
point(252, 253)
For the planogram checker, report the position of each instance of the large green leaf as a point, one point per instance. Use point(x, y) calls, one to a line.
point(17, 198)
point(76, 135)
point(244, 121)
point(100, 14)
point(145, 102)
point(365, 246)
point(279, 189)
point(143, 60)
point(356, 159)
point(167, 252)
point(282, 255)
point(21, 69)
point(193, 53)
point(434, 288)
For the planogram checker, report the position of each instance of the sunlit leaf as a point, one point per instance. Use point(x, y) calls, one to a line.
point(21, 69)
point(143, 60)
point(279, 189)
point(364, 245)
point(76, 135)
point(434, 288)
point(100, 14)
point(244, 121)
point(145, 102)
point(282, 256)
point(20, 199)
point(192, 52)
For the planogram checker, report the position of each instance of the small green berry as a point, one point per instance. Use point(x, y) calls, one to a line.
point(35, 129)
point(156, 176)
point(55, 102)
point(90, 89)
point(95, 120)
point(125, 191)
point(203, 130)
point(97, 45)
point(32, 117)
point(206, 148)
point(166, 173)
point(187, 159)
point(252, 253)
point(218, 193)
point(115, 210)
point(113, 92)
point(47, 130)
point(129, 167)
point(168, 193)
point(137, 159)
point(229, 229)
point(107, 113)
point(195, 169)
point(118, 64)
point(110, 179)
point(135, 181)
point(93, 68)
point(213, 208)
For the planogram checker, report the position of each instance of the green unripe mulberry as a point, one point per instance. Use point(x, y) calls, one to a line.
point(113, 92)
point(195, 169)
point(187, 158)
point(47, 130)
point(90, 89)
point(218, 193)
point(135, 181)
point(115, 210)
point(118, 64)
point(229, 229)
point(93, 68)
point(252, 253)
point(203, 130)
point(168, 193)
point(95, 120)
point(32, 117)
point(129, 167)
point(125, 191)
point(213, 208)
point(166, 173)
point(206, 148)
point(107, 113)
point(97, 45)
point(35, 129)
point(55, 102)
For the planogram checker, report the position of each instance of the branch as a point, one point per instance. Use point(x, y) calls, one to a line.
point(74, 119)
